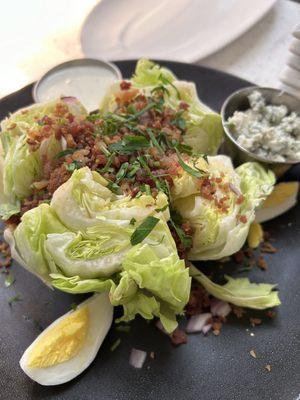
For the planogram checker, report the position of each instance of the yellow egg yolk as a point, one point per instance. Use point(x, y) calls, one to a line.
point(255, 235)
point(281, 192)
point(61, 342)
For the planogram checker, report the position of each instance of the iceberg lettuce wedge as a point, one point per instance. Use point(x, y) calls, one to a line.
point(21, 165)
point(204, 132)
point(221, 231)
point(96, 253)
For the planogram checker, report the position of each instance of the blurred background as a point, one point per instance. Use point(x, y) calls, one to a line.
point(253, 39)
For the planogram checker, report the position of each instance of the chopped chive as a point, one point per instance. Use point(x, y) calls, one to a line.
point(123, 328)
point(14, 299)
point(154, 140)
point(9, 280)
point(115, 344)
point(64, 153)
point(143, 230)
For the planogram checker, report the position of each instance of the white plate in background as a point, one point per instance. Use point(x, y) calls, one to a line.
point(181, 30)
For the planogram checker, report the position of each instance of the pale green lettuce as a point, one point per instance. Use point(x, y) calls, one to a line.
point(219, 234)
point(20, 166)
point(147, 279)
point(204, 128)
point(148, 285)
point(85, 200)
point(239, 291)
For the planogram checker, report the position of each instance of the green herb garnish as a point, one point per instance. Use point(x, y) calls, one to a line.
point(196, 172)
point(162, 209)
point(115, 344)
point(132, 221)
point(72, 166)
point(154, 140)
point(133, 169)
point(123, 328)
point(109, 161)
point(113, 187)
point(14, 299)
point(93, 117)
point(145, 189)
point(129, 144)
point(166, 81)
point(143, 230)
point(74, 306)
point(9, 280)
point(64, 153)
point(122, 172)
point(185, 239)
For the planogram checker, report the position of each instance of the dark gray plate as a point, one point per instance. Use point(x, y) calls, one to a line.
point(209, 368)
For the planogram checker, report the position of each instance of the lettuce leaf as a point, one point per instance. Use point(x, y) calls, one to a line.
point(220, 233)
point(20, 166)
point(147, 278)
point(85, 200)
point(239, 291)
point(204, 131)
point(147, 73)
point(148, 285)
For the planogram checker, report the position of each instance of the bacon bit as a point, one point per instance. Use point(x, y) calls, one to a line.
point(6, 262)
point(239, 257)
point(268, 367)
point(178, 337)
point(217, 326)
point(183, 105)
point(199, 299)
point(271, 314)
point(4, 248)
point(253, 354)
point(255, 321)
point(238, 311)
point(243, 219)
point(262, 263)
point(152, 355)
point(266, 247)
point(125, 85)
point(249, 252)
point(240, 199)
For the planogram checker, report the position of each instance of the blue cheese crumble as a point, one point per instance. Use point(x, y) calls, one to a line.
point(268, 131)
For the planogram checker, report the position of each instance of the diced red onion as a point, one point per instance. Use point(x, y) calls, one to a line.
point(234, 189)
point(63, 143)
point(73, 105)
point(206, 328)
point(69, 99)
point(220, 308)
point(197, 322)
point(137, 358)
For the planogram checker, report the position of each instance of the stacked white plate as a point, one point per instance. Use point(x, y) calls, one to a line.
point(290, 77)
point(178, 30)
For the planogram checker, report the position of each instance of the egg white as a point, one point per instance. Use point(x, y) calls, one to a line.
point(100, 319)
point(266, 213)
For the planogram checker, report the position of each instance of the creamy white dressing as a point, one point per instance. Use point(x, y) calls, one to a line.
point(86, 82)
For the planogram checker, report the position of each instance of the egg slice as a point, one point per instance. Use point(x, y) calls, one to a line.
point(283, 197)
point(69, 345)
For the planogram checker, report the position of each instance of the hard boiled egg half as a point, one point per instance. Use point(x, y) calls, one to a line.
point(69, 345)
point(283, 197)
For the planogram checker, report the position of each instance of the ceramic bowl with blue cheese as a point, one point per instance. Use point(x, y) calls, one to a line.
point(262, 124)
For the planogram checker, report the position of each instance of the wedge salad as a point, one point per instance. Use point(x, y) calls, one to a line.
point(123, 199)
